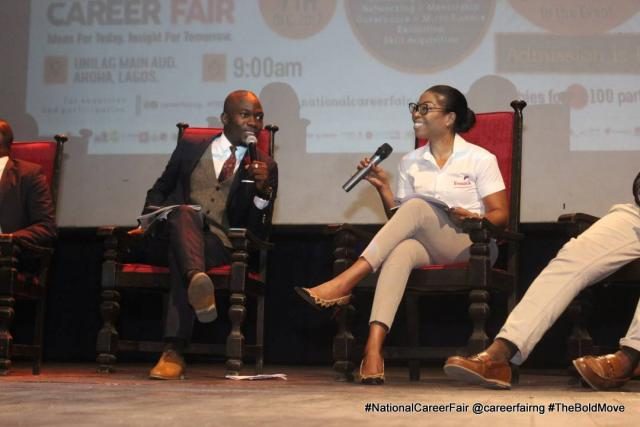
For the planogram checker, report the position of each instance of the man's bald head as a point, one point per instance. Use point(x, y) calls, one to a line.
point(242, 116)
point(236, 96)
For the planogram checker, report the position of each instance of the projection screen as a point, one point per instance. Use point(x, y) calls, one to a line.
point(336, 77)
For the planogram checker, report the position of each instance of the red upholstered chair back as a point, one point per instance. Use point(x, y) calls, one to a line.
point(42, 153)
point(265, 137)
point(47, 154)
point(497, 133)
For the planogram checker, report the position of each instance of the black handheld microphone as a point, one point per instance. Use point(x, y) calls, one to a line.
point(251, 142)
point(381, 153)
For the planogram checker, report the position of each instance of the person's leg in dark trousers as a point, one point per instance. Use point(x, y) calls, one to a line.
point(191, 249)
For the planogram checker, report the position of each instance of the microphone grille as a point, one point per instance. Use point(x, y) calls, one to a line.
point(384, 150)
point(250, 139)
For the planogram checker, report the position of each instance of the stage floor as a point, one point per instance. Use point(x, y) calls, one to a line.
point(76, 395)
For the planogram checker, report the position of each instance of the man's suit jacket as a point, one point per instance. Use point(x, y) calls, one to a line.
point(174, 186)
point(26, 208)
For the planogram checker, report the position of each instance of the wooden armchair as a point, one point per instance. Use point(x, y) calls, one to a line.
point(123, 270)
point(18, 282)
point(500, 133)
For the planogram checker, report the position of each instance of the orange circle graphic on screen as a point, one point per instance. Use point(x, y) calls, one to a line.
point(419, 36)
point(576, 17)
point(297, 19)
point(577, 96)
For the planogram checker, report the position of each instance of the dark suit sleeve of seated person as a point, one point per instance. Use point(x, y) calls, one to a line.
point(242, 210)
point(27, 208)
point(165, 190)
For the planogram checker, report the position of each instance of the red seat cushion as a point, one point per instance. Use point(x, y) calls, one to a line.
point(222, 270)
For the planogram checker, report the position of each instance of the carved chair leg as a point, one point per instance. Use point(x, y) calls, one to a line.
point(260, 335)
point(6, 339)
point(479, 312)
point(38, 334)
point(580, 341)
point(343, 344)
point(107, 342)
point(413, 325)
point(235, 340)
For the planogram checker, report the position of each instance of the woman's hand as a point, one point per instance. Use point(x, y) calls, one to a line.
point(458, 215)
point(377, 176)
point(495, 210)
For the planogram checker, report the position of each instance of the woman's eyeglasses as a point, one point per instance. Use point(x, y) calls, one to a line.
point(423, 109)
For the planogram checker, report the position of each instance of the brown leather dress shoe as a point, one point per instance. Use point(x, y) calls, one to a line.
point(171, 366)
point(202, 297)
point(602, 372)
point(479, 369)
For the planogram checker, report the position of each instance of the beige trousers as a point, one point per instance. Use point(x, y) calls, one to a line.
point(418, 234)
point(607, 245)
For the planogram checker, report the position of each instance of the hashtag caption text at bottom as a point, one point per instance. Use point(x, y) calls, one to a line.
point(488, 408)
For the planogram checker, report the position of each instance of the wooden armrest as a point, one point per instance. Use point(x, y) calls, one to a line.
point(470, 225)
point(358, 232)
point(9, 243)
point(116, 231)
point(243, 239)
point(7, 248)
point(578, 217)
point(120, 243)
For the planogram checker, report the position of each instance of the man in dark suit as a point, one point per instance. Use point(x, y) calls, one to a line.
point(212, 174)
point(26, 208)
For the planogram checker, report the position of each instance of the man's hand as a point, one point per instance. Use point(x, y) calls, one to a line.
point(260, 173)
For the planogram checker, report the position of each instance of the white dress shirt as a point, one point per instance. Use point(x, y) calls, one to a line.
point(220, 152)
point(3, 164)
point(470, 174)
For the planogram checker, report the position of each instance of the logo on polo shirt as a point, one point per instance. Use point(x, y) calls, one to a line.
point(464, 182)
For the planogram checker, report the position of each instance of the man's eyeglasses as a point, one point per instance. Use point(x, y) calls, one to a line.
point(423, 109)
